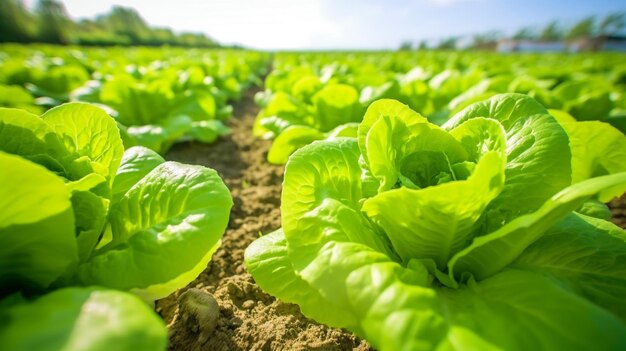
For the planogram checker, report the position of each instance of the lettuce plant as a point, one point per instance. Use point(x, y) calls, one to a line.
point(489, 232)
point(315, 113)
point(156, 115)
point(79, 211)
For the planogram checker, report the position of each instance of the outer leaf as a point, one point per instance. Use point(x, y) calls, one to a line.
point(267, 259)
point(490, 253)
point(88, 131)
point(90, 214)
point(589, 254)
point(82, 319)
point(36, 225)
point(402, 315)
point(597, 149)
point(326, 268)
point(27, 135)
point(320, 199)
point(137, 162)
point(291, 139)
point(177, 212)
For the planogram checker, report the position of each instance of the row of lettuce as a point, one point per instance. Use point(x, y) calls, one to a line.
point(158, 96)
point(489, 232)
point(95, 225)
point(313, 96)
point(90, 232)
point(479, 224)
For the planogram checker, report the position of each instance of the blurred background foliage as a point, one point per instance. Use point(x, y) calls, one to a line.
point(49, 22)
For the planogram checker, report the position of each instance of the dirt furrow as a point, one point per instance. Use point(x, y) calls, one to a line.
point(248, 319)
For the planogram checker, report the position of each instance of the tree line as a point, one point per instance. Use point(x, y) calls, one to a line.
point(591, 26)
point(49, 22)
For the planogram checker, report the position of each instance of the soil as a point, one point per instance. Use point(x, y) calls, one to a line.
point(223, 309)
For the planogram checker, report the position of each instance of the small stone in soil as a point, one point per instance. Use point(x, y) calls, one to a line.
point(199, 311)
point(248, 304)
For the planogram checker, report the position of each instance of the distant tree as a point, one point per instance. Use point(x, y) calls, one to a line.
point(524, 33)
point(91, 32)
point(423, 45)
point(552, 31)
point(613, 23)
point(448, 43)
point(53, 22)
point(484, 40)
point(406, 46)
point(50, 23)
point(161, 36)
point(195, 40)
point(584, 28)
point(127, 22)
point(15, 22)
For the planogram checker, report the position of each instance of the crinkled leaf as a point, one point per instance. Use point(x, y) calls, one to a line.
point(165, 229)
point(438, 221)
point(538, 154)
point(24, 134)
point(390, 108)
point(88, 131)
point(393, 138)
point(322, 197)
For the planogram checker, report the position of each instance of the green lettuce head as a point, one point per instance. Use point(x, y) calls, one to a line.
point(466, 236)
point(77, 211)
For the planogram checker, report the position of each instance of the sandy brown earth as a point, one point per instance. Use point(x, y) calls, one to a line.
point(223, 309)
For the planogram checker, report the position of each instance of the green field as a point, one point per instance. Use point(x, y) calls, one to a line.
point(449, 200)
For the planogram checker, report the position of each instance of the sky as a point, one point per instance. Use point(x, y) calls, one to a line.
point(353, 24)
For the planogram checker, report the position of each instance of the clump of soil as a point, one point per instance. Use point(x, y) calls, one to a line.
point(246, 318)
